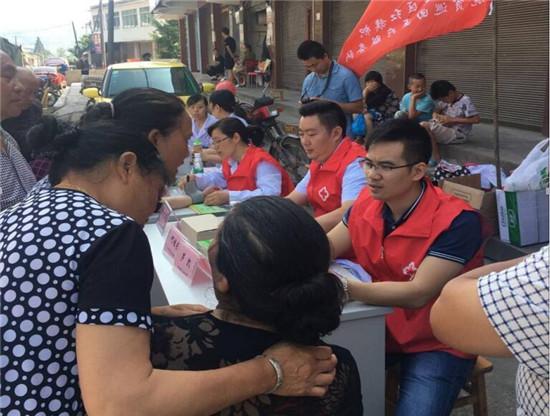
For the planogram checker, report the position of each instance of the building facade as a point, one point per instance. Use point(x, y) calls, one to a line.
point(132, 30)
point(464, 58)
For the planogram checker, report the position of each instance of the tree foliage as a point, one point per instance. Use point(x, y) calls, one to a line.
point(166, 36)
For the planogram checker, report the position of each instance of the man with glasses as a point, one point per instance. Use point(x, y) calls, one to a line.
point(412, 239)
point(335, 178)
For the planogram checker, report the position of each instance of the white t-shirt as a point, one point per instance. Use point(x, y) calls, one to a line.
point(463, 107)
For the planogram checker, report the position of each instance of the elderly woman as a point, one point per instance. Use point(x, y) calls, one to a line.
point(270, 265)
point(76, 273)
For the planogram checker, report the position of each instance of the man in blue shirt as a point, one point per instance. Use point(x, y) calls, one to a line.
point(329, 81)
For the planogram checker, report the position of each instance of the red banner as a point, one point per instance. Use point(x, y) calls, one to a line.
point(387, 25)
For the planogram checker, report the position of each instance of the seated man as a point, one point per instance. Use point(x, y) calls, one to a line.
point(335, 177)
point(454, 114)
point(412, 239)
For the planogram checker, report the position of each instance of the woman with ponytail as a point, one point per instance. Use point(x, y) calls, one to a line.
point(270, 264)
point(247, 169)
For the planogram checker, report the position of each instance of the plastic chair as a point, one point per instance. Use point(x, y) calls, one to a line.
point(259, 74)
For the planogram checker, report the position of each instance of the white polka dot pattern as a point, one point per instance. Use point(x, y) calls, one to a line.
point(42, 241)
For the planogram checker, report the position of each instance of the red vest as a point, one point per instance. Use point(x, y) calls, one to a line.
point(244, 177)
point(324, 191)
point(396, 258)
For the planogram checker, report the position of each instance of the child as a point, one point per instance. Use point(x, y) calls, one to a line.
point(197, 106)
point(416, 104)
point(247, 170)
point(454, 115)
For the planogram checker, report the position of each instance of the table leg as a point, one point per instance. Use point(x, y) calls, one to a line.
point(365, 339)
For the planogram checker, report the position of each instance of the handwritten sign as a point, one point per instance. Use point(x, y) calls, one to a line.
point(165, 212)
point(187, 260)
point(173, 243)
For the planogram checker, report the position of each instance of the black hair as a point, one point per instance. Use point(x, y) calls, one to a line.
point(417, 145)
point(374, 76)
point(330, 114)
point(40, 136)
point(84, 148)
point(143, 109)
point(440, 89)
point(230, 125)
point(225, 99)
point(280, 274)
point(225, 30)
point(417, 75)
point(378, 97)
point(311, 49)
point(196, 98)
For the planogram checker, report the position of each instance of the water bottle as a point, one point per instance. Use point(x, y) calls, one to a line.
point(197, 159)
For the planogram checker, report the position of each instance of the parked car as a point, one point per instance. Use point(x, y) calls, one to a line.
point(170, 76)
point(50, 73)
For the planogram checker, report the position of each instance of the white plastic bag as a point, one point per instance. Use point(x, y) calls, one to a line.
point(532, 173)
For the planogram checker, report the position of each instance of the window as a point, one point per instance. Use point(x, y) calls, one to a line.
point(96, 23)
point(129, 18)
point(177, 81)
point(116, 19)
point(144, 16)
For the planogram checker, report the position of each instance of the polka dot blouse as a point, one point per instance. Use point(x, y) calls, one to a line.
point(64, 259)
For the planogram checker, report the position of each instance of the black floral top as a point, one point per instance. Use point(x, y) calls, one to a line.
point(386, 110)
point(203, 342)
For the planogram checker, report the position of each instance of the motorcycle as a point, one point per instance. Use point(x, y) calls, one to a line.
point(284, 147)
point(48, 92)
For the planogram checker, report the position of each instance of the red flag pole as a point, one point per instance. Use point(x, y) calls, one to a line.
point(495, 94)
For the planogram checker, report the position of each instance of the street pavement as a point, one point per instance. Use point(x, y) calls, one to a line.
point(500, 382)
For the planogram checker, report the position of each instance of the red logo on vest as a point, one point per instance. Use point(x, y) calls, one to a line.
point(324, 193)
point(410, 270)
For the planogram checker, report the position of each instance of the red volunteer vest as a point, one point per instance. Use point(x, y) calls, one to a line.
point(244, 177)
point(324, 191)
point(397, 257)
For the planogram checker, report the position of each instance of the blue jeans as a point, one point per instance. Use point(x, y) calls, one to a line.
point(429, 382)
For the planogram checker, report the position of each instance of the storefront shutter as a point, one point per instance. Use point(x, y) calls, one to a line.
point(293, 31)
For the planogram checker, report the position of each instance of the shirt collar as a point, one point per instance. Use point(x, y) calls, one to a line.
point(335, 68)
point(389, 223)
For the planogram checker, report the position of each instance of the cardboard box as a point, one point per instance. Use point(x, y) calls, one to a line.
point(199, 227)
point(484, 202)
point(523, 217)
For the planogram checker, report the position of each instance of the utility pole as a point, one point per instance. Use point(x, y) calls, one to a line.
point(102, 39)
point(77, 47)
point(110, 32)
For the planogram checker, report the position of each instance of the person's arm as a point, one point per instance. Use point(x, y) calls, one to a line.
point(445, 259)
point(299, 194)
point(268, 181)
point(353, 182)
point(213, 178)
point(339, 238)
point(412, 111)
point(331, 219)
point(458, 318)
point(447, 120)
point(353, 107)
point(117, 378)
point(211, 156)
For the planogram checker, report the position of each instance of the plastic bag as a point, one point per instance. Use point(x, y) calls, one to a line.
point(488, 174)
point(532, 173)
point(358, 126)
